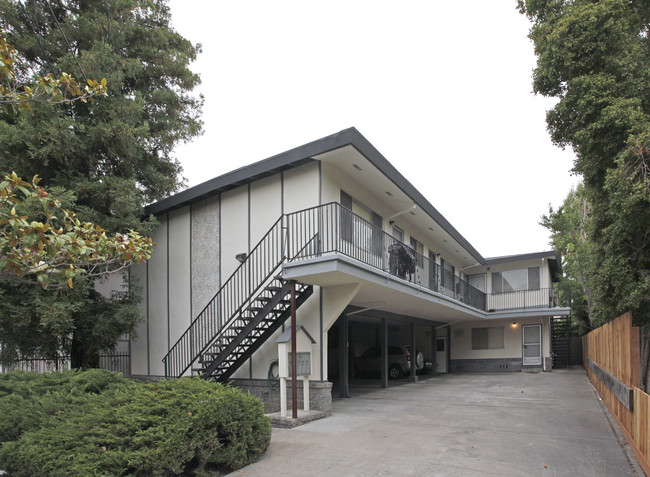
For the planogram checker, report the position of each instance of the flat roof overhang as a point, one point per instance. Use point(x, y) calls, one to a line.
point(382, 291)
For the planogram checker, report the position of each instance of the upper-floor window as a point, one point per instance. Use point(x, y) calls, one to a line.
point(448, 272)
point(478, 281)
point(419, 248)
point(515, 280)
point(360, 231)
point(398, 233)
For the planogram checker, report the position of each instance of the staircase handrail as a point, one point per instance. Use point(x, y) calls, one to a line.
point(207, 334)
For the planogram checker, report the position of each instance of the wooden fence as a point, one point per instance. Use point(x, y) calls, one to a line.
point(611, 356)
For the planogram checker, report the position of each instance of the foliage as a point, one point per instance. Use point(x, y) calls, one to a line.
point(113, 155)
point(594, 57)
point(60, 247)
point(569, 237)
point(46, 89)
point(97, 423)
point(45, 323)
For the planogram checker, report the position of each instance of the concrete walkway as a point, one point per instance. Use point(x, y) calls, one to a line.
point(509, 424)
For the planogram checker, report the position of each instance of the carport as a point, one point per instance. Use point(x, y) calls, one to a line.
point(359, 329)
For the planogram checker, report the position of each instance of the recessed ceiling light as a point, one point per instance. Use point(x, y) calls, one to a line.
point(389, 194)
point(430, 228)
point(445, 240)
point(412, 213)
point(356, 166)
point(456, 251)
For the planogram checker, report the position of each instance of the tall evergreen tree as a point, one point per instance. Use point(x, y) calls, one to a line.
point(594, 56)
point(114, 155)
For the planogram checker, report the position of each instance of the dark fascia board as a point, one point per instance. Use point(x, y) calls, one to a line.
point(252, 172)
point(523, 256)
point(554, 261)
point(302, 155)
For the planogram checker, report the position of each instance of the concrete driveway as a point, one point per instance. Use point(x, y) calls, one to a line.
point(509, 424)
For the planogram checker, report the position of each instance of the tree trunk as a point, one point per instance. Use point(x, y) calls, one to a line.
point(80, 356)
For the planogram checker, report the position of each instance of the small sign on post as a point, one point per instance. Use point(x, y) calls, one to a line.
point(304, 343)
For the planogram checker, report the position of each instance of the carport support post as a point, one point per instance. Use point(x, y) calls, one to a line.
point(294, 338)
point(414, 357)
point(434, 351)
point(384, 352)
point(343, 357)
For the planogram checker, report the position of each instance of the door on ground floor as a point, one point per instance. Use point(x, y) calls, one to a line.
point(532, 343)
point(441, 354)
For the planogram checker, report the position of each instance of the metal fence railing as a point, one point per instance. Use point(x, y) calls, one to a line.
point(118, 362)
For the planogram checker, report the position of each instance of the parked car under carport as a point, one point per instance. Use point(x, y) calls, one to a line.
point(399, 362)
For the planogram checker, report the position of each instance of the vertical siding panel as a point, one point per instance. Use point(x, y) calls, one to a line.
point(158, 300)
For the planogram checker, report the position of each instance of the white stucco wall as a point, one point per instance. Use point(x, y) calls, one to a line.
point(265, 206)
point(179, 279)
point(461, 338)
point(158, 300)
point(179, 274)
point(234, 229)
point(139, 340)
point(301, 187)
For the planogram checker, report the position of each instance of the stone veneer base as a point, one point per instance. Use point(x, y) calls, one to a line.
point(494, 365)
point(320, 393)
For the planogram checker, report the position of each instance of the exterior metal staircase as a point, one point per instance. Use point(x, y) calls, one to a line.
point(250, 306)
point(561, 341)
point(268, 311)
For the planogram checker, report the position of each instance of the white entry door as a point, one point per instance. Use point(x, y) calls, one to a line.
point(532, 345)
point(441, 354)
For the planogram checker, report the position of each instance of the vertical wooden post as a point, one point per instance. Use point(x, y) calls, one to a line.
point(343, 356)
point(434, 351)
point(414, 357)
point(384, 352)
point(294, 378)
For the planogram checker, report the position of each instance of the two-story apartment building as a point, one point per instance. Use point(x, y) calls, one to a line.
point(375, 264)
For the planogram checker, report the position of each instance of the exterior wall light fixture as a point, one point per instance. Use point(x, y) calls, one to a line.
point(241, 257)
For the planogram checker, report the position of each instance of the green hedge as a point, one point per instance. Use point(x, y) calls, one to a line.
point(100, 423)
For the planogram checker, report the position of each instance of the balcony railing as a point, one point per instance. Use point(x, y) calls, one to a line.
point(540, 298)
point(332, 228)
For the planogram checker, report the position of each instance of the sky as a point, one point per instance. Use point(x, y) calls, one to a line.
point(443, 89)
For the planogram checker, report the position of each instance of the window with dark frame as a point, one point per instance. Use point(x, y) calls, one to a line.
point(419, 248)
point(488, 338)
point(516, 280)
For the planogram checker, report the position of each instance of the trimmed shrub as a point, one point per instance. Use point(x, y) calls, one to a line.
point(30, 400)
point(131, 428)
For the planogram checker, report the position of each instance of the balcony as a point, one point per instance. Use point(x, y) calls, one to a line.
point(334, 229)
